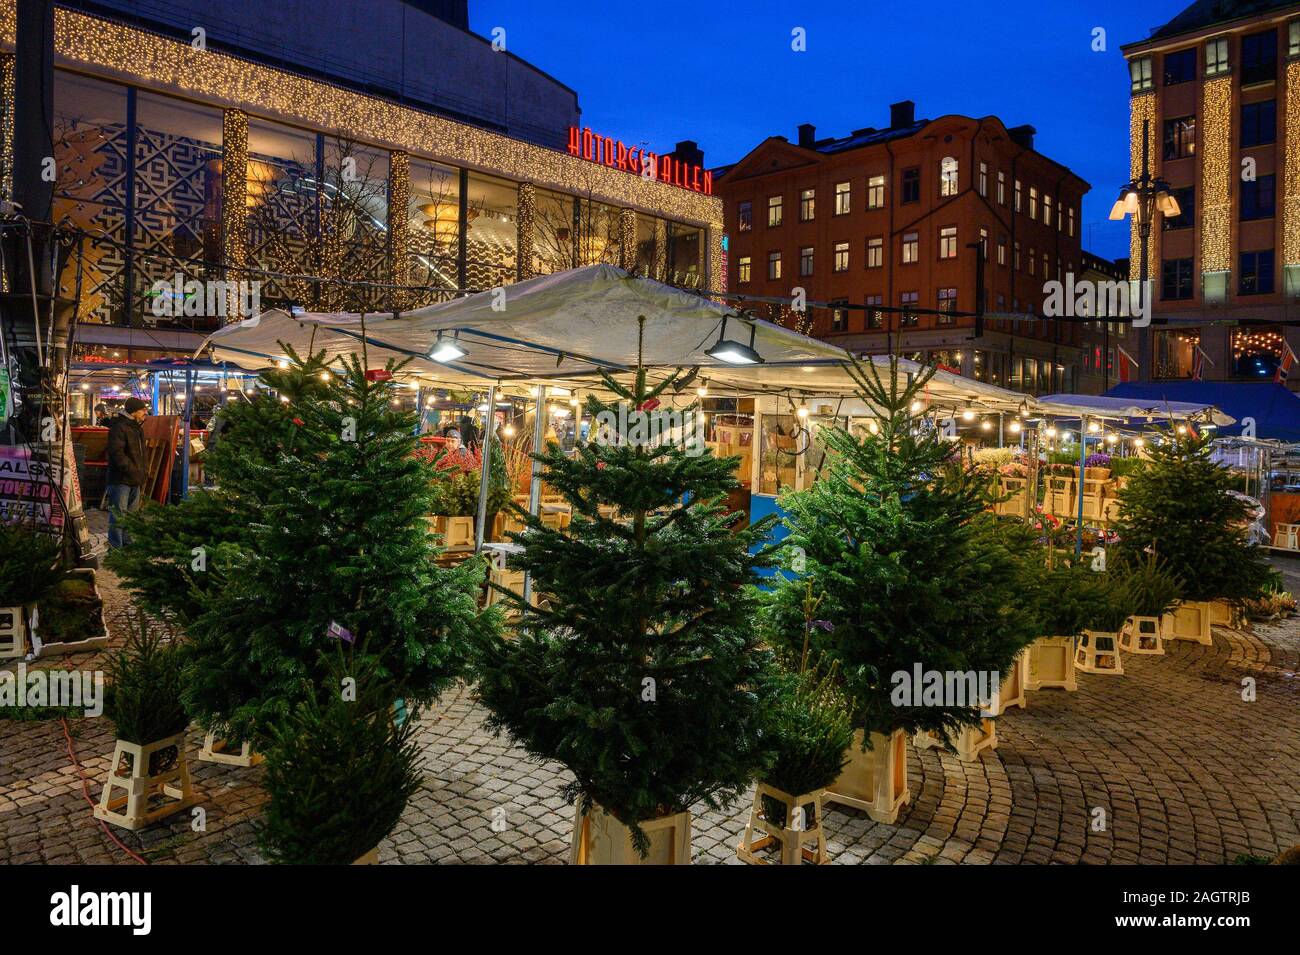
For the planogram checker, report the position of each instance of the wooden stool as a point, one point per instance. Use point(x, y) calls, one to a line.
point(794, 840)
point(1286, 536)
point(1098, 652)
point(1142, 635)
point(143, 787)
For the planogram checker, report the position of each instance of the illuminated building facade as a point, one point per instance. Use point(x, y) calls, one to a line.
point(1217, 90)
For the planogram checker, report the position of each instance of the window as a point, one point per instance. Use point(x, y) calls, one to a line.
point(806, 260)
point(1186, 217)
point(1032, 260)
point(1016, 264)
point(948, 242)
point(1176, 279)
point(1002, 250)
point(1256, 273)
point(774, 265)
point(841, 257)
point(911, 248)
point(1139, 72)
point(1046, 272)
point(1018, 194)
point(1180, 67)
point(1259, 123)
point(842, 204)
point(947, 299)
point(1256, 352)
point(984, 179)
point(839, 315)
point(984, 244)
point(745, 217)
point(875, 318)
point(1180, 137)
point(1293, 38)
point(876, 192)
point(1258, 198)
point(1259, 57)
point(773, 212)
point(1070, 222)
point(909, 301)
point(911, 186)
point(1002, 188)
point(744, 269)
point(807, 208)
point(1216, 56)
point(1047, 210)
point(1033, 202)
point(948, 176)
point(875, 252)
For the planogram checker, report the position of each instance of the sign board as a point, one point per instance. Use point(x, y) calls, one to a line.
point(616, 154)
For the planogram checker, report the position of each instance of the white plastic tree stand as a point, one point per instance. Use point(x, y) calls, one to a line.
point(969, 741)
point(1098, 652)
point(1051, 664)
point(875, 780)
point(804, 841)
point(217, 751)
point(145, 798)
point(1190, 620)
point(600, 839)
point(1142, 635)
point(13, 632)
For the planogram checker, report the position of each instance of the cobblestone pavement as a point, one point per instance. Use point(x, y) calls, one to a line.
point(1182, 768)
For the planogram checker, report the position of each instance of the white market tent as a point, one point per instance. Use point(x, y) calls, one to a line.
point(1125, 409)
point(564, 329)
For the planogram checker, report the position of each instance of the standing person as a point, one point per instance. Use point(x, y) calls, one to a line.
point(126, 465)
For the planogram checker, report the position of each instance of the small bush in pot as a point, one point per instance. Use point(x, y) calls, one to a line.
point(811, 727)
point(29, 564)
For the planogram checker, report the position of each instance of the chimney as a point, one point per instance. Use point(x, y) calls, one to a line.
point(688, 152)
point(902, 114)
point(1023, 136)
point(807, 135)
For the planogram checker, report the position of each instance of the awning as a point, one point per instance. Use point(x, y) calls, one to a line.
point(1131, 409)
point(1275, 409)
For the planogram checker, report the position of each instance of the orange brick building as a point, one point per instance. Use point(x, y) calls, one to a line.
point(889, 220)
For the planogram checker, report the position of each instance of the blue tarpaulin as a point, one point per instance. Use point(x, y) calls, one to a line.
point(1274, 408)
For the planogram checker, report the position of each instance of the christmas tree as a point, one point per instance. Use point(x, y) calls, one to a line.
point(643, 675)
point(1178, 507)
point(318, 532)
point(912, 568)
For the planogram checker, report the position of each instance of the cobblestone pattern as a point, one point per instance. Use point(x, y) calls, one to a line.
point(1181, 767)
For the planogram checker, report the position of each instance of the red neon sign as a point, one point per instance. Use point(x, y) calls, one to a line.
point(616, 154)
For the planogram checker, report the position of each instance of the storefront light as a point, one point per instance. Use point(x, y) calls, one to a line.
point(445, 350)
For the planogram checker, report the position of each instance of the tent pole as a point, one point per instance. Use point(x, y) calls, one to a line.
point(485, 471)
point(535, 485)
point(1083, 461)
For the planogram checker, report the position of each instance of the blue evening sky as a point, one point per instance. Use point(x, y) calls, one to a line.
point(724, 74)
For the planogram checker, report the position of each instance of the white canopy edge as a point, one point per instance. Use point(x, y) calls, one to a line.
point(1102, 406)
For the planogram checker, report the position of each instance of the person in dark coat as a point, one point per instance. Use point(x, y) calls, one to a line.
point(126, 466)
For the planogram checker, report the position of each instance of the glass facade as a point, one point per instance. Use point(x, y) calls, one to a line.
point(433, 217)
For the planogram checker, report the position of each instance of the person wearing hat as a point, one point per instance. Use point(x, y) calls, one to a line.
point(126, 465)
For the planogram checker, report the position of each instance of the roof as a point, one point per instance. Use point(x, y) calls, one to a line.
point(1207, 13)
point(1274, 409)
point(1130, 408)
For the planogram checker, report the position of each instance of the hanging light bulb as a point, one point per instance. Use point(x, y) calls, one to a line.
point(1093, 427)
point(1182, 429)
point(985, 424)
point(1015, 427)
point(1111, 439)
point(968, 414)
point(803, 411)
point(508, 430)
point(873, 427)
point(1138, 442)
point(282, 363)
point(324, 376)
point(917, 406)
point(1051, 432)
point(703, 390)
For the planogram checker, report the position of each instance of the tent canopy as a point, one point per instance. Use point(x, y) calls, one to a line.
point(1274, 408)
point(1111, 406)
point(568, 327)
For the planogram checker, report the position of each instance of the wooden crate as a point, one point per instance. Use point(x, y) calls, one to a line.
point(600, 839)
point(1142, 635)
point(1098, 652)
point(216, 751)
point(146, 798)
point(1014, 506)
point(1190, 620)
point(875, 780)
point(1051, 664)
point(13, 632)
point(794, 842)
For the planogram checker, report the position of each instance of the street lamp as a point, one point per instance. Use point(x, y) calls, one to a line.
point(1142, 199)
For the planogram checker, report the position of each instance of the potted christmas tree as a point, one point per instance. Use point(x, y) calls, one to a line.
point(149, 760)
point(1060, 605)
point(1154, 592)
point(917, 576)
point(339, 770)
point(1107, 603)
point(642, 674)
point(30, 568)
point(1178, 507)
point(810, 729)
point(318, 532)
